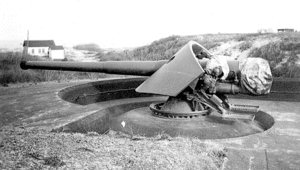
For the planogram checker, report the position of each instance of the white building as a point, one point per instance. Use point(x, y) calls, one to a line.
point(38, 47)
point(57, 53)
point(44, 48)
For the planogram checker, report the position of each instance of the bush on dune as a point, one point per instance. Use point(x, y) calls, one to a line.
point(282, 56)
point(92, 47)
point(111, 56)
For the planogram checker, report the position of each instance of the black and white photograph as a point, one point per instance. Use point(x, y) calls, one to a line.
point(156, 85)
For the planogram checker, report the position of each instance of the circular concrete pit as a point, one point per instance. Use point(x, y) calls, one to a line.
point(128, 112)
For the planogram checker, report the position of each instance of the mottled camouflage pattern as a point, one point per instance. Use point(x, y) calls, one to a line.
point(256, 76)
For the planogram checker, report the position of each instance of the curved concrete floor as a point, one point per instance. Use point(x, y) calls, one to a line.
point(277, 148)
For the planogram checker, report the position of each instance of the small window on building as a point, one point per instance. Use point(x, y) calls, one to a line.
point(39, 50)
point(32, 51)
point(43, 51)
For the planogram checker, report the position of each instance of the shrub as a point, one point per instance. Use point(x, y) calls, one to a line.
point(282, 56)
point(245, 46)
point(88, 47)
point(246, 37)
point(111, 56)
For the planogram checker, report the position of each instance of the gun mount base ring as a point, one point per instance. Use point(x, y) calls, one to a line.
point(121, 109)
point(156, 109)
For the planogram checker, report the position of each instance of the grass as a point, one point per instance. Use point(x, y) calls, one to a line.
point(10, 71)
point(92, 47)
point(165, 48)
point(282, 57)
point(23, 148)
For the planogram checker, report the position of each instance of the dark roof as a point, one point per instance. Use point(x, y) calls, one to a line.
point(59, 47)
point(39, 43)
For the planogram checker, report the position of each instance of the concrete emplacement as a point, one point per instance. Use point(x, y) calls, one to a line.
point(42, 107)
point(128, 111)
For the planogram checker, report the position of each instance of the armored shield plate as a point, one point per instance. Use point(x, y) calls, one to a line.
point(177, 74)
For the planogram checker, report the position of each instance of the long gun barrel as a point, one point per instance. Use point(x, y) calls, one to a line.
point(142, 68)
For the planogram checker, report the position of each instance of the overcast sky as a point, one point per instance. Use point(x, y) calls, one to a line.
point(130, 23)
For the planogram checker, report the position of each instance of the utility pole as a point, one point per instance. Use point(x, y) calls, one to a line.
point(25, 51)
point(27, 45)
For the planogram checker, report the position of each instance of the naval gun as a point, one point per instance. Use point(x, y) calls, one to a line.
point(196, 81)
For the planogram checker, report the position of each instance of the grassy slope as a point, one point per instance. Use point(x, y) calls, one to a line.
point(281, 50)
point(38, 149)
